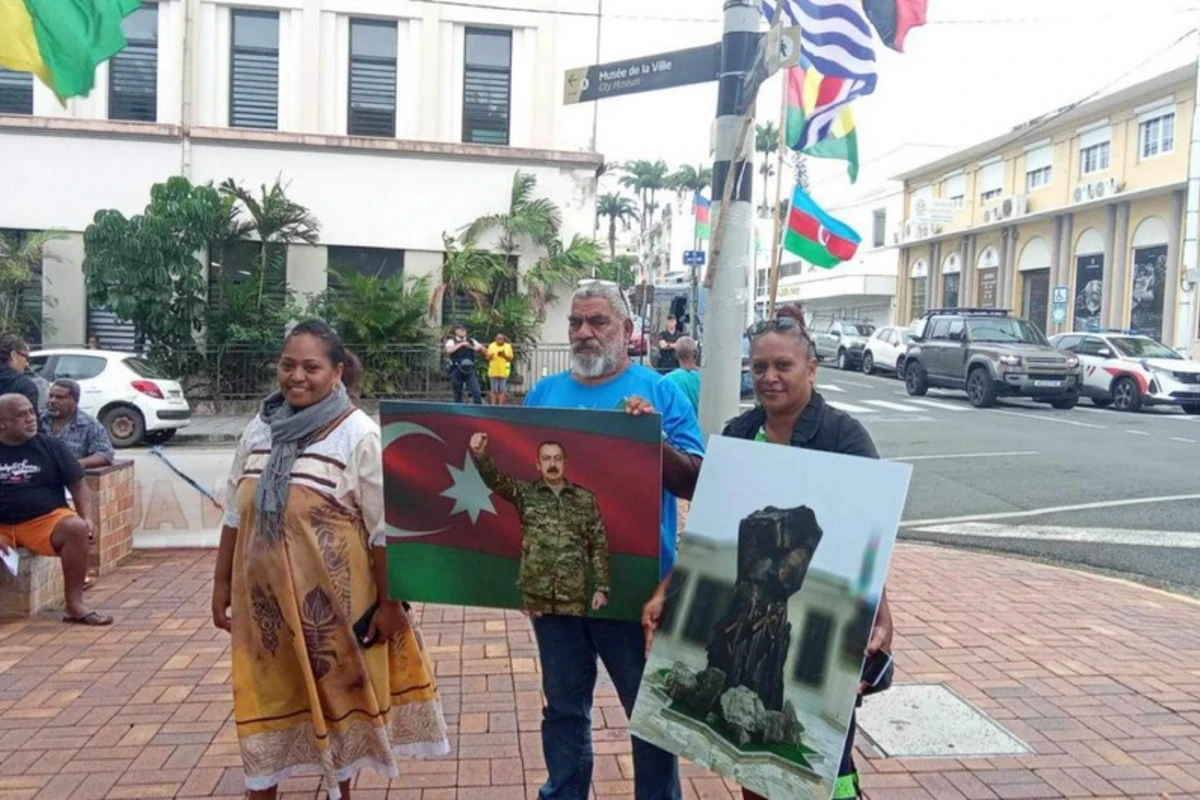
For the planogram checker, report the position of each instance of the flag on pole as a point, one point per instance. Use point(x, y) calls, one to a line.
point(834, 38)
point(703, 208)
point(818, 123)
point(62, 41)
point(893, 19)
point(817, 237)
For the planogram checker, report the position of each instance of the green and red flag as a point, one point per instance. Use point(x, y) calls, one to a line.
point(893, 19)
point(62, 41)
point(452, 540)
point(815, 236)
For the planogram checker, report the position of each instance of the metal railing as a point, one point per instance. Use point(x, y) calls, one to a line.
point(390, 371)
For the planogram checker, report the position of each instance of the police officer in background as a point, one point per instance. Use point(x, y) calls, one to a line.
point(462, 351)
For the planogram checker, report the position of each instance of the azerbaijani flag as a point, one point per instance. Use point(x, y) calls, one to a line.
point(62, 41)
point(893, 19)
point(452, 540)
point(817, 237)
point(703, 208)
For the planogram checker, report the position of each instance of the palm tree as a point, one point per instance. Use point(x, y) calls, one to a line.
point(618, 208)
point(767, 143)
point(529, 219)
point(20, 260)
point(561, 266)
point(276, 220)
point(690, 179)
point(467, 270)
point(646, 178)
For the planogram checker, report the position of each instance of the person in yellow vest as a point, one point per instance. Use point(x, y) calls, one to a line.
point(500, 359)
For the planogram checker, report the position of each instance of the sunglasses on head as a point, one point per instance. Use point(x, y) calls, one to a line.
point(772, 326)
point(590, 282)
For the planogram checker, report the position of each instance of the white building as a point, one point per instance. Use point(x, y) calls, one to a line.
point(864, 288)
point(392, 122)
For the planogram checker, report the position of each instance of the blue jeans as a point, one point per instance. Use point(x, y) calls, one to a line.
point(568, 647)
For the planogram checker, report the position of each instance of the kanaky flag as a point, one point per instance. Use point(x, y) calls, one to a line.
point(452, 540)
point(893, 19)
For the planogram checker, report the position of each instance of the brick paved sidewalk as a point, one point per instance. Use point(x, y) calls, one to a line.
point(1100, 678)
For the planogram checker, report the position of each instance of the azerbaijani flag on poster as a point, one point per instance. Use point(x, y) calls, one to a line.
point(62, 41)
point(453, 540)
point(703, 209)
point(893, 19)
point(813, 98)
point(817, 237)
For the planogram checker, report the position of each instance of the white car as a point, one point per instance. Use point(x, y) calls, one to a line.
point(885, 351)
point(1129, 372)
point(133, 400)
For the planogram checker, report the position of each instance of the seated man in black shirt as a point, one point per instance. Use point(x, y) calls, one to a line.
point(34, 470)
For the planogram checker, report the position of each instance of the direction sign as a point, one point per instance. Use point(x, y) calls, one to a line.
point(1061, 294)
point(693, 258)
point(783, 47)
point(662, 71)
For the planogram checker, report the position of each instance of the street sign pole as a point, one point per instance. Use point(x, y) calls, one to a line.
point(728, 293)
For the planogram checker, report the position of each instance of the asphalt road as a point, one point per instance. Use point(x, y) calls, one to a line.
point(1092, 487)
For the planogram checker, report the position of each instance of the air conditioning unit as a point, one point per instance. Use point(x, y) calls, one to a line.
point(1013, 207)
point(910, 230)
point(896, 237)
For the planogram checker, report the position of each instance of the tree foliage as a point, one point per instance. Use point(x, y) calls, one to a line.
point(619, 209)
point(146, 269)
point(621, 270)
point(21, 255)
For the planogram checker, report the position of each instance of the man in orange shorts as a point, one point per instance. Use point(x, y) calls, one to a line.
point(34, 470)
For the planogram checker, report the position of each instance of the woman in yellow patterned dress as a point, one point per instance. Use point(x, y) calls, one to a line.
point(302, 560)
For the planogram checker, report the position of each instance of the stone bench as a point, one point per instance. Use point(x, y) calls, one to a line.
point(38, 585)
point(39, 582)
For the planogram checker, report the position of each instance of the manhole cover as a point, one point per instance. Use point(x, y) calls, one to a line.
point(915, 720)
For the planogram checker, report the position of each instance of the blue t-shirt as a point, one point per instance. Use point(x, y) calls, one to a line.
point(688, 380)
point(679, 423)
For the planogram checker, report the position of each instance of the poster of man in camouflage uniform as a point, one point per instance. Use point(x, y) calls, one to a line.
point(564, 542)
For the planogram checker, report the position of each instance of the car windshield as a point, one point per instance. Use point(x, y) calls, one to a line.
point(857, 330)
point(1132, 347)
point(1004, 330)
point(144, 369)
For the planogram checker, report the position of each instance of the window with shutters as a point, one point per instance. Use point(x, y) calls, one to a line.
point(955, 190)
point(254, 70)
point(133, 72)
point(487, 86)
point(372, 78)
point(1095, 158)
point(239, 261)
point(16, 92)
point(1039, 166)
point(1156, 135)
point(879, 227)
point(375, 262)
point(991, 181)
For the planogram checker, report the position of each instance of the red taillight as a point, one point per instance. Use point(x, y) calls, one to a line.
point(148, 388)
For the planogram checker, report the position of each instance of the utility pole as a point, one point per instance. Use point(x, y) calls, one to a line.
point(1185, 311)
point(728, 294)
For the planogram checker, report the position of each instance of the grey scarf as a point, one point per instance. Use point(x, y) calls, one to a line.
point(289, 431)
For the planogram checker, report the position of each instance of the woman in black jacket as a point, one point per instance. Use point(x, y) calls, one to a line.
point(783, 367)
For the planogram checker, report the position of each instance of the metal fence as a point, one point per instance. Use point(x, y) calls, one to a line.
point(390, 371)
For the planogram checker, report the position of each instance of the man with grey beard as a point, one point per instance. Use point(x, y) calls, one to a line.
point(603, 377)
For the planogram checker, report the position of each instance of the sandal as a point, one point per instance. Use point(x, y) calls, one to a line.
point(94, 618)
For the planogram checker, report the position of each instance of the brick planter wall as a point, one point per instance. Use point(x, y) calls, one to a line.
point(112, 495)
point(38, 585)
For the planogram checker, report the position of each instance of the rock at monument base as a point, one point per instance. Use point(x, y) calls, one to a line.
point(781, 727)
point(743, 712)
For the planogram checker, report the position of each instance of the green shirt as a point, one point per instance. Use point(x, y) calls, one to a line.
point(562, 536)
point(687, 380)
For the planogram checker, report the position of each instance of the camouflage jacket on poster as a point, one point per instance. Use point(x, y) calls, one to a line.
point(561, 536)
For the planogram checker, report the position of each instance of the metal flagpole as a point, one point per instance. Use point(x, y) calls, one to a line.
point(1185, 323)
point(776, 241)
point(733, 234)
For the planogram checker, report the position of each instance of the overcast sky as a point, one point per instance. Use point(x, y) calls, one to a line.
point(978, 68)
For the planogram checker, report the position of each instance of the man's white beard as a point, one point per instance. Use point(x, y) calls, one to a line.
point(592, 364)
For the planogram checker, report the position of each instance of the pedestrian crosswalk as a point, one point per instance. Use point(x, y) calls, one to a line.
point(912, 406)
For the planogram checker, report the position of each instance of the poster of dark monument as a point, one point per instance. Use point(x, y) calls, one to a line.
point(1089, 291)
point(754, 670)
point(1149, 290)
